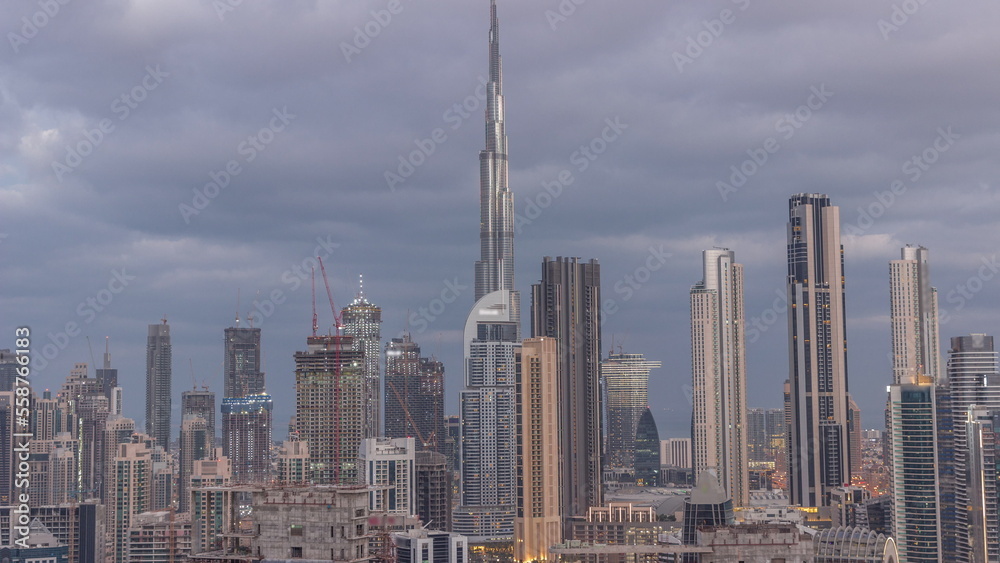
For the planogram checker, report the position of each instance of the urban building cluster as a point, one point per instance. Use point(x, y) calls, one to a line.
point(555, 453)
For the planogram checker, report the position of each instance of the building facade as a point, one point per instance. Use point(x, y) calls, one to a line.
point(158, 378)
point(566, 305)
point(718, 362)
point(329, 413)
point(241, 364)
point(246, 433)
point(626, 386)
point(414, 394)
point(362, 321)
point(538, 524)
point(390, 472)
point(819, 449)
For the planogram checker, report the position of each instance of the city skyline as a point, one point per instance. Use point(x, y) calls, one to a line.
point(112, 272)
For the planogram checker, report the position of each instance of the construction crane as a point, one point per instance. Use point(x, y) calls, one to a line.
point(432, 443)
point(336, 316)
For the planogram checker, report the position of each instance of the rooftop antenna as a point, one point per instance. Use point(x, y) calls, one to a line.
point(107, 352)
point(194, 384)
point(361, 287)
point(237, 307)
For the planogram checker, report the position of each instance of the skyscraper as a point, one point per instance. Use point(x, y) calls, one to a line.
point(414, 394)
point(626, 385)
point(915, 479)
point(819, 440)
point(495, 268)
point(246, 432)
point(390, 473)
point(718, 363)
point(132, 493)
point(195, 445)
point(329, 416)
point(488, 446)
point(973, 384)
point(566, 305)
point(492, 332)
point(362, 321)
point(158, 374)
point(647, 451)
point(241, 365)
point(201, 402)
point(433, 495)
point(538, 524)
point(914, 317)
point(107, 376)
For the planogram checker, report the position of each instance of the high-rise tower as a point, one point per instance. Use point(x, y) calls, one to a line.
point(241, 366)
point(626, 385)
point(718, 360)
point(158, 374)
point(495, 268)
point(414, 395)
point(329, 383)
point(362, 321)
point(566, 305)
point(492, 332)
point(819, 456)
point(914, 318)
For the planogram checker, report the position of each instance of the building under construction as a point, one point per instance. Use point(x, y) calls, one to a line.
point(310, 522)
point(329, 413)
point(414, 395)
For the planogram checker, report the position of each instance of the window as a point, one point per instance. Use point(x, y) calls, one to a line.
point(295, 530)
point(296, 553)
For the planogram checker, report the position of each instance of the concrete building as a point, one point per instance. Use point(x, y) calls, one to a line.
point(53, 470)
point(362, 321)
point(293, 463)
point(78, 526)
point(329, 413)
point(195, 445)
point(390, 472)
point(159, 537)
point(158, 378)
point(914, 317)
point(132, 492)
point(819, 450)
point(618, 524)
point(426, 546)
point(757, 543)
point(676, 452)
point(201, 402)
point(566, 305)
point(718, 362)
point(40, 547)
point(318, 522)
point(207, 477)
point(433, 495)
point(626, 385)
point(246, 436)
point(538, 523)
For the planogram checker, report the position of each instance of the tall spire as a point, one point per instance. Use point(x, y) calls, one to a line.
point(495, 268)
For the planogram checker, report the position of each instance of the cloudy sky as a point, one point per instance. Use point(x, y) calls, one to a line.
point(157, 157)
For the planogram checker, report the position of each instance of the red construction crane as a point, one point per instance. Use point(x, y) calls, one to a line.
point(329, 294)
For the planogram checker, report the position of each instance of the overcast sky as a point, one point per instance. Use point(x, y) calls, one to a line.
point(116, 117)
